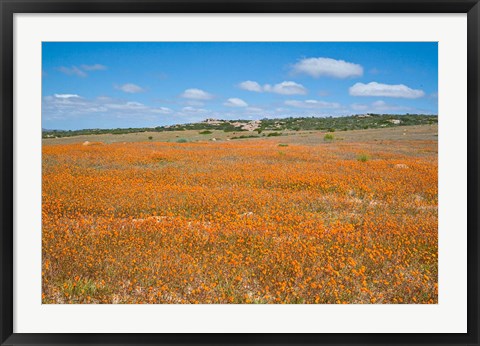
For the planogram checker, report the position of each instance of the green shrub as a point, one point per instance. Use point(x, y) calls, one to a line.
point(244, 137)
point(206, 132)
point(363, 157)
point(283, 145)
point(150, 137)
point(274, 134)
point(328, 138)
point(182, 140)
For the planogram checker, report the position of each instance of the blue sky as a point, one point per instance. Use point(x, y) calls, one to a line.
point(146, 84)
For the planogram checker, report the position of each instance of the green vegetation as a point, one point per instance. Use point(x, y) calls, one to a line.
point(79, 287)
point(274, 134)
point(354, 122)
point(328, 124)
point(206, 132)
point(182, 140)
point(328, 138)
point(244, 137)
point(363, 157)
point(283, 145)
point(150, 137)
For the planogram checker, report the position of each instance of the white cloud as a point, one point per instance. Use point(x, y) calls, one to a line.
point(286, 88)
point(137, 106)
point(379, 106)
point(235, 102)
point(80, 72)
point(359, 106)
point(251, 86)
point(130, 88)
point(194, 103)
point(194, 110)
point(65, 96)
point(385, 90)
point(379, 103)
point(254, 110)
point(104, 98)
point(94, 109)
point(62, 104)
point(311, 104)
point(127, 106)
point(72, 71)
point(67, 105)
point(95, 67)
point(283, 88)
point(326, 67)
point(161, 110)
point(196, 94)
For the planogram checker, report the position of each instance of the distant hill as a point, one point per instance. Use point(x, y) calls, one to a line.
point(331, 124)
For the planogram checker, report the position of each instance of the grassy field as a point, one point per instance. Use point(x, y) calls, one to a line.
point(421, 132)
point(344, 123)
point(296, 218)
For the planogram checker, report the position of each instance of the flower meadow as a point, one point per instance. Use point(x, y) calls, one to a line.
point(249, 221)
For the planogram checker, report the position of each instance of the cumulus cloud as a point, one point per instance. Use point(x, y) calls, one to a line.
point(72, 71)
point(235, 102)
point(251, 86)
point(283, 88)
point(94, 67)
point(385, 90)
point(326, 67)
point(196, 94)
point(312, 104)
point(130, 88)
point(286, 88)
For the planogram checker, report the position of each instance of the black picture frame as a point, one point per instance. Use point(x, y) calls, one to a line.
point(9, 7)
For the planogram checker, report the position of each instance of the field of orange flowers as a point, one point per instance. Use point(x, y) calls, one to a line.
point(249, 221)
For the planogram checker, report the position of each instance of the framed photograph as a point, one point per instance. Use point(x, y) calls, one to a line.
point(259, 172)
